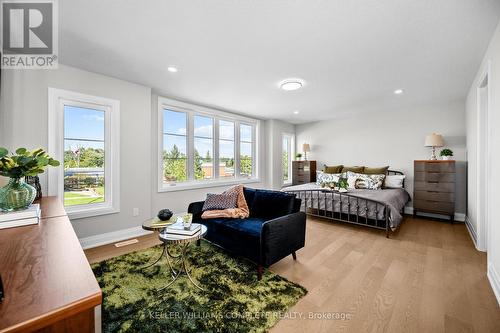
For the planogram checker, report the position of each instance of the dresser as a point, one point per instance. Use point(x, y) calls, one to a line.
point(434, 187)
point(303, 172)
point(48, 283)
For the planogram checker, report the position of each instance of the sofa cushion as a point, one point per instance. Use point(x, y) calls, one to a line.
point(249, 196)
point(251, 225)
point(271, 204)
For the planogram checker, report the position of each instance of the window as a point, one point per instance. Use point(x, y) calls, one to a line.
point(226, 149)
point(175, 146)
point(204, 147)
point(84, 135)
point(286, 158)
point(246, 153)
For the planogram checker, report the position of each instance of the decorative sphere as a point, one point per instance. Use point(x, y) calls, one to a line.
point(165, 214)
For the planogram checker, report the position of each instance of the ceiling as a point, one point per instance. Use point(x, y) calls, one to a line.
point(232, 54)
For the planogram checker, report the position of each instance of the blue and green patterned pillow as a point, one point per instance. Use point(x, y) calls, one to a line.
point(323, 178)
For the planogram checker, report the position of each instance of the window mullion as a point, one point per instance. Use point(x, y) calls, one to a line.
point(215, 147)
point(254, 151)
point(237, 141)
point(190, 146)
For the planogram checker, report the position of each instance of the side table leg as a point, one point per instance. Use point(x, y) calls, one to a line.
point(184, 251)
point(161, 255)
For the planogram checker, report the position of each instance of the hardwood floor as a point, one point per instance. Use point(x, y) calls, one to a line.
point(428, 277)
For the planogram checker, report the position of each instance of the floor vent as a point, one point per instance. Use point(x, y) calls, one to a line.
point(127, 242)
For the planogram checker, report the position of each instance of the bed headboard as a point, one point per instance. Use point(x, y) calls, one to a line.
point(394, 172)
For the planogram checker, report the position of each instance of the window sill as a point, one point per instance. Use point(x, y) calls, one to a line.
point(198, 185)
point(88, 211)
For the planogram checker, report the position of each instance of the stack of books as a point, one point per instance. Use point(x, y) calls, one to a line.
point(21, 217)
point(178, 229)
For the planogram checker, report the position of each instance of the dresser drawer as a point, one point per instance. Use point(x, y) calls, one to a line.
point(435, 196)
point(435, 187)
point(434, 206)
point(445, 177)
point(434, 167)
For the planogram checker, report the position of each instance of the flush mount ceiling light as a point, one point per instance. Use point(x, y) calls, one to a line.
point(291, 84)
point(296, 112)
point(398, 91)
point(172, 69)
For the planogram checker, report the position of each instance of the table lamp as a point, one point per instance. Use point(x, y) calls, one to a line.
point(434, 140)
point(306, 148)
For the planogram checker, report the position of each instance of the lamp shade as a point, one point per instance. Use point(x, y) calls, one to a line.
point(434, 140)
point(306, 148)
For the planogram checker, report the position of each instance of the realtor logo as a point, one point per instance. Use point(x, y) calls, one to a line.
point(29, 34)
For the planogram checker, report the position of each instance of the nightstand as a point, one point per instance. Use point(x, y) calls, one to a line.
point(303, 172)
point(434, 187)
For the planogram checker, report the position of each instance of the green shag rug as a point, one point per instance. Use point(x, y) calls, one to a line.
point(233, 299)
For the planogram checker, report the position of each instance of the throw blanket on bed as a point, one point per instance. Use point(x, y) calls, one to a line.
point(395, 199)
point(241, 211)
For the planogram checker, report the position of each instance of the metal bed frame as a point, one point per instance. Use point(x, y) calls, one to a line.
point(346, 200)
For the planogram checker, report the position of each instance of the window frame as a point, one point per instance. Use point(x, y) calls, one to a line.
point(58, 98)
point(191, 110)
point(291, 147)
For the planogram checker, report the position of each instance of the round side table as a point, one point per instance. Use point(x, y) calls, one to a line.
point(183, 241)
point(154, 225)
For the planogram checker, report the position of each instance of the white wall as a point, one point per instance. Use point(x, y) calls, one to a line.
point(394, 138)
point(491, 57)
point(24, 112)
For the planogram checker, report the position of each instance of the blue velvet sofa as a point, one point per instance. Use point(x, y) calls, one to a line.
point(275, 229)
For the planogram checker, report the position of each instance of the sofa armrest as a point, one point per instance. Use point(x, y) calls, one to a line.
point(196, 208)
point(282, 236)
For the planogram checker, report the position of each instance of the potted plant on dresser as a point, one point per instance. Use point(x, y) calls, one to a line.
point(17, 194)
point(446, 154)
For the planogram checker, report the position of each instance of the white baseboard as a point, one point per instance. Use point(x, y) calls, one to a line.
point(472, 233)
point(494, 279)
point(112, 237)
point(460, 217)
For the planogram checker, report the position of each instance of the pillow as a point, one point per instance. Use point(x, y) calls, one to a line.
point(355, 169)
point(351, 179)
point(241, 211)
point(333, 169)
point(271, 204)
point(326, 178)
point(376, 171)
point(370, 182)
point(394, 181)
point(220, 201)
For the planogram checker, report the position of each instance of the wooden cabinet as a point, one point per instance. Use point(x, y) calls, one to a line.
point(303, 172)
point(48, 283)
point(434, 187)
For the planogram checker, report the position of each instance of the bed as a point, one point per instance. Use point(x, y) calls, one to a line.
point(380, 209)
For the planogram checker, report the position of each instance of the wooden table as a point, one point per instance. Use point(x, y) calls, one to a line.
point(48, 283)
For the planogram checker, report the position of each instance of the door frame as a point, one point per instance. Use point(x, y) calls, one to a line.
point(483, 160)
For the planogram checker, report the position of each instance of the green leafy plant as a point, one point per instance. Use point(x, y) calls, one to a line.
point(298, 156)
point(24, 162)
point(446, 152)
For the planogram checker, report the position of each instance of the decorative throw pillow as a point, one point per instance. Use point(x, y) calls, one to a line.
point(376, 171)
point(355, 169)
point(352, 178)
point(333, 169)
point(394, 181)
point(323, 178)
point(220, 201)
point(370, 182)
